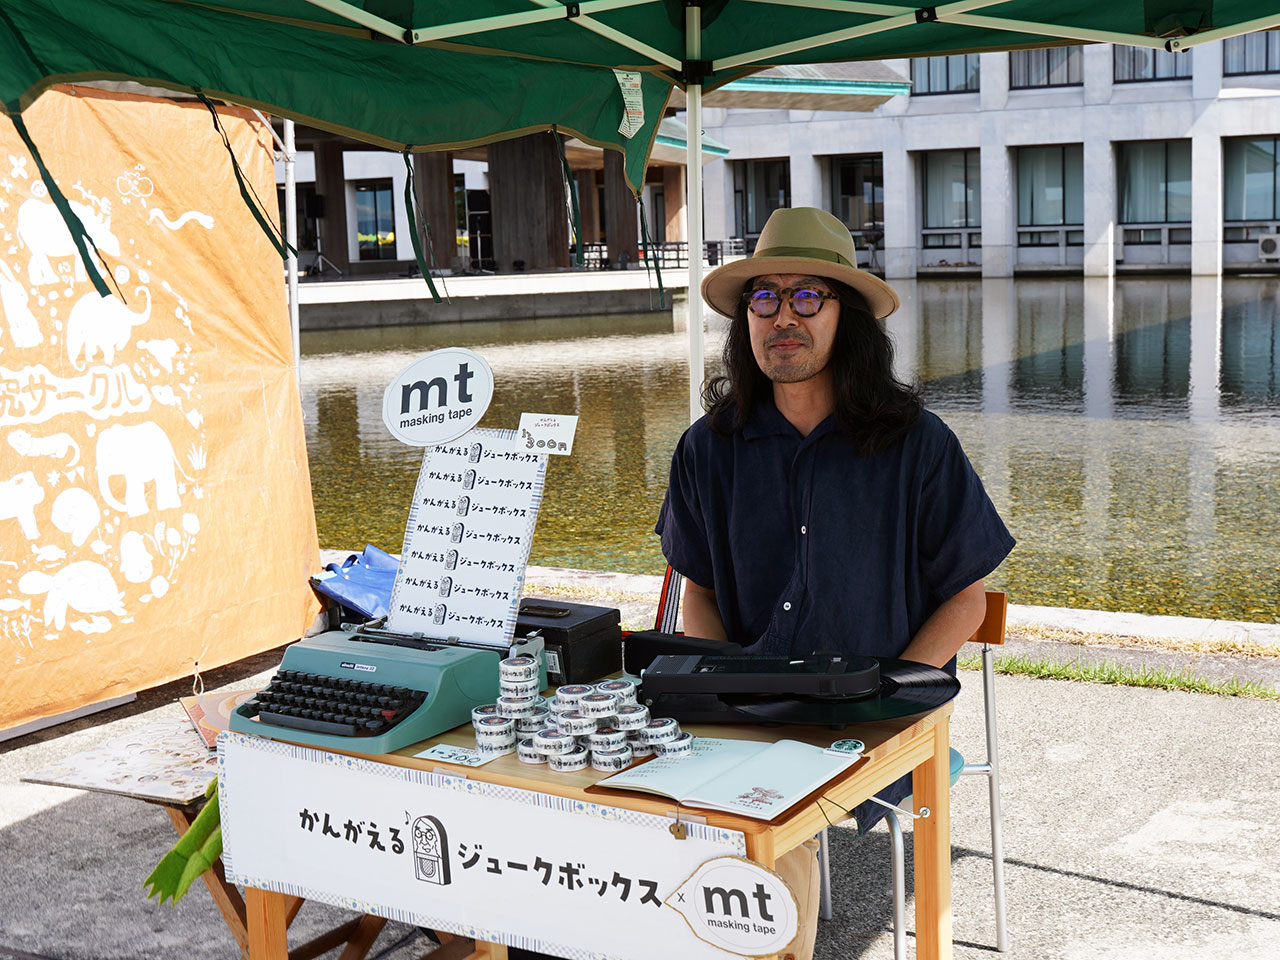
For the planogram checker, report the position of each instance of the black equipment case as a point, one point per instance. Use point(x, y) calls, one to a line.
point(583, 643)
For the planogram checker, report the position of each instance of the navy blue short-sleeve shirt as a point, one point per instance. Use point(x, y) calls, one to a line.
point(810, 547)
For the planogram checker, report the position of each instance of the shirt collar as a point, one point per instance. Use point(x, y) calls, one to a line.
point(767, 421)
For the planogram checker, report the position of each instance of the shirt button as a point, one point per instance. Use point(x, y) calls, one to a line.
point(787, 605)
point(804, 529)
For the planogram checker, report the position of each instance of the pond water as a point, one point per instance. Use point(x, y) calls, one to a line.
point(1128, 431)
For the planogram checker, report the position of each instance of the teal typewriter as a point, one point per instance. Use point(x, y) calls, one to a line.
point(368, 690)
point(419, 671)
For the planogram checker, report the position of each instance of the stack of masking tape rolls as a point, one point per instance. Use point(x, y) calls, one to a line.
point(598, 725)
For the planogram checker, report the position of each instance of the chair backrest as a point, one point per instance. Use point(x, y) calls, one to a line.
point(990, 631)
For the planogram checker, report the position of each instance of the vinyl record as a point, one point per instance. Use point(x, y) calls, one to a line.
point(906, 688)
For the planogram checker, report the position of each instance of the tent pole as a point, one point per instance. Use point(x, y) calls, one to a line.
point(693, 213)
point(291, 238)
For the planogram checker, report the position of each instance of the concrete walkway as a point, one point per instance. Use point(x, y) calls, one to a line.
point(1138, 823)
point(388, 302)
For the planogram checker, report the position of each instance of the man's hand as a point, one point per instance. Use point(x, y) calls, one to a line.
point(944, 633)
point(702, 614)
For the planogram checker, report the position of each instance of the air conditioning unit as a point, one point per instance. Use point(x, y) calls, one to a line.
point(1269, 246)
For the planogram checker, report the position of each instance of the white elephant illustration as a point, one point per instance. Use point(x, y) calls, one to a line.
point(102, 324)
point(24, 329)
point(41, 229)
point(141, 454)
point(85, 586)
point(18, 497)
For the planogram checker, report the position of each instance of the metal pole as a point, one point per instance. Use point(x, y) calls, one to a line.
point(693, 176)
point(291, 237)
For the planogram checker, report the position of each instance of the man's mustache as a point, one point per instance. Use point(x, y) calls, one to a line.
point(781, 335)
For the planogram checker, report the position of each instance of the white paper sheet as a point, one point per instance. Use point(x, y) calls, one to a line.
point(467, 540)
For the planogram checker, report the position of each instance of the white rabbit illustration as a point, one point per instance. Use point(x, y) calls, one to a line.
point(23, 326)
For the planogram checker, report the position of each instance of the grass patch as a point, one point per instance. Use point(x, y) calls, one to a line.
point(1230, 647)
point(1122, 675)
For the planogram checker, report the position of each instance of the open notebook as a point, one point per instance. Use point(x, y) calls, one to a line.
point(759, 780)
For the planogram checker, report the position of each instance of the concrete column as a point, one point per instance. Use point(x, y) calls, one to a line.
point(621, 219)
point(527, 203)
point(1099, 203)
point(806, 176)
point(993, 84)
point(901, 206)
point(1098, 72)
point(1206, 71)
point(331, 184)
point(589, 205)
point(433, 186)
point(675, 203)
point(999, 199)
point(717, 200)
point(1206, 195)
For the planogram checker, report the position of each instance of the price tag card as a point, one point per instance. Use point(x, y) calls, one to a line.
point(463, 756)
point(548, 432)
point(467, 541)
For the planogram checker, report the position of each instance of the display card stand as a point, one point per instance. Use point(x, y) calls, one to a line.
point(467, 540)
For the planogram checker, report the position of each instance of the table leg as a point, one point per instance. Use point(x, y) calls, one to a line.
point(932, 841)
point(266, 914)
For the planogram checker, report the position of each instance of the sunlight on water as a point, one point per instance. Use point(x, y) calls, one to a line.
point(1129, 436)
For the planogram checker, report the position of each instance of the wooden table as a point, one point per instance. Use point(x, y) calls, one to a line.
point(917, 745)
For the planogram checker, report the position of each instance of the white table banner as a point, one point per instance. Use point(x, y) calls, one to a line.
point(566, 877)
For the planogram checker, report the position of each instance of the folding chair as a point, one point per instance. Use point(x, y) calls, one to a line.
point(990, 633)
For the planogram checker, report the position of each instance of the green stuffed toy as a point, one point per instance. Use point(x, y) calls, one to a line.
point(193, 854)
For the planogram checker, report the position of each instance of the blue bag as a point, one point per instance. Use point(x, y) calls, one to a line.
point(361, 584)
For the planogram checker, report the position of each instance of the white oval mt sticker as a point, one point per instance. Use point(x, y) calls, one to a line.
point(739, 906)
point(438, 398)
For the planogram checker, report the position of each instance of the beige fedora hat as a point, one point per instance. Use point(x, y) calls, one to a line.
point(799, 240)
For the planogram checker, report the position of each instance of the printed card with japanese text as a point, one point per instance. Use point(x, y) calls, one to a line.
point(467, 540)
point(547, 432)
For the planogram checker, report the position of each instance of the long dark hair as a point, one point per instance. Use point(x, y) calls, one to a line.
point(873, 407)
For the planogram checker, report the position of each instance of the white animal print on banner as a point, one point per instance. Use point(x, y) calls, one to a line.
point(92, 418)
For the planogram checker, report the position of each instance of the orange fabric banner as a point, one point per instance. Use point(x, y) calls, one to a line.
point(155, 502)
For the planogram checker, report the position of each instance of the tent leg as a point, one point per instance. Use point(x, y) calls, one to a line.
point(291, 238)
point(693, 177)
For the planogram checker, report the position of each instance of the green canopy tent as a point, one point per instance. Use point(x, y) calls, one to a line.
point(418, 75)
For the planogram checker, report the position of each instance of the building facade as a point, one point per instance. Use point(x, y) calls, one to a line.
point(1085, 159)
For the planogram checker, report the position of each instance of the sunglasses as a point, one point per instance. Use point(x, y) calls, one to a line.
point(805, 301)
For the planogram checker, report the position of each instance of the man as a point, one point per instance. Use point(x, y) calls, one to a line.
point(818, 507)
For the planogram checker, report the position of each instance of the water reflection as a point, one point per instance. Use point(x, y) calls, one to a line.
point(1126, 430)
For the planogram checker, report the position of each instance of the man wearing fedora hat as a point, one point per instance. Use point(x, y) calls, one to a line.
point(818, 506)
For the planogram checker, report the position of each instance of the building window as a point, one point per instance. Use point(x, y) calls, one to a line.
point(1051, 67)
point(1249, 180)
point(952, 189)
point(1051, 186)
point(1134, 64)
point(957, 74)
point(1251, 53)
point(858, 194)
point(375, 221)
point(759, 188)
point(1155, 181)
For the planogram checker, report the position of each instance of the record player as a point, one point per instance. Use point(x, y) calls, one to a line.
point(822, 690)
